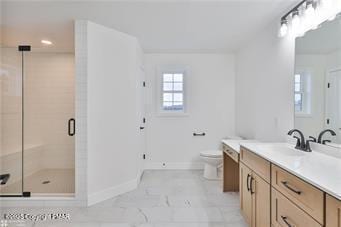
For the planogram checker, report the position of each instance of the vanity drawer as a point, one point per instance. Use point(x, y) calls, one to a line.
point(285, 213)
point(256, 163)
point(231, 153)
point(306, 196)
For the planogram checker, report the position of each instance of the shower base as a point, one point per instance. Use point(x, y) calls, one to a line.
point(46, 182)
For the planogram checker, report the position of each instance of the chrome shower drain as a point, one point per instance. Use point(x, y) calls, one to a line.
point(46, 182)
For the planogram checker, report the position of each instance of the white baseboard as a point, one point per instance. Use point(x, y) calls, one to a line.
point(113, 191)
point(174, 165)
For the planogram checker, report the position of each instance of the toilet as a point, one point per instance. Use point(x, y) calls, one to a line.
point(213, 160)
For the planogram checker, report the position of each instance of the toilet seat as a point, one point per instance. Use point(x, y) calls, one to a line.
point(212, 153)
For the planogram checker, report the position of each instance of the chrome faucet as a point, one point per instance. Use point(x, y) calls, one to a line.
point(319, 140)
point(301, 144)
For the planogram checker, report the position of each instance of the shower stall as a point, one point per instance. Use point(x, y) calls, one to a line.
point(37, 125)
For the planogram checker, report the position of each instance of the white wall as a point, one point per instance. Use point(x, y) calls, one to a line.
point(211, 104)
point(112, 122)
point(333, 60)
point(265, 69)
point(264, 87)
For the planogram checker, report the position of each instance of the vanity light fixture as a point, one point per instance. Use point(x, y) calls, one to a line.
point(46, 42)
point(310, 8)
point(284, 28)
point(302, 18)
point(310, 17)
point(296, 23)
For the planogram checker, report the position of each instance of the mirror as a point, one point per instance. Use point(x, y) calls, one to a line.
point(317, 82)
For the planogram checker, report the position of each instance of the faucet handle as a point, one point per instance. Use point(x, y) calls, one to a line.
point(312, 139)
point(326, 141)
point(298, 141)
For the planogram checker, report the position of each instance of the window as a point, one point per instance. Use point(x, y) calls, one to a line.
point(302, 93)
point(298, 93)
point(172, 92)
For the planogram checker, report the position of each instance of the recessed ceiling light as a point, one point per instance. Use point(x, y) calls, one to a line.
point(46, 42)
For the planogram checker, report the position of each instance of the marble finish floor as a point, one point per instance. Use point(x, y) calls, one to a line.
point(164, 198)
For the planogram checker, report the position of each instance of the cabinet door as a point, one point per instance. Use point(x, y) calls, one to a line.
point(245, 193)
point(260, 191)
point(333, 212)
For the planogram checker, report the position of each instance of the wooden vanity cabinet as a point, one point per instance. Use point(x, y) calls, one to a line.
point(271, 196)
point(333, 212)
point(245, 194)
point(254, 190)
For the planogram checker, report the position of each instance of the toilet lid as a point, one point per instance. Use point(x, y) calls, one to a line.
point(212, 153)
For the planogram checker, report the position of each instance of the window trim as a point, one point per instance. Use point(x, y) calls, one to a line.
point(171, 69)
point(306, 78)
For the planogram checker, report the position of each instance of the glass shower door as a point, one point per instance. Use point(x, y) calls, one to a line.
point(11, 123)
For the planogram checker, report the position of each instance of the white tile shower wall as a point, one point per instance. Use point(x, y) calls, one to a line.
point(49, 104)
point(11, 101)
point(80, 198)
point(10, 150)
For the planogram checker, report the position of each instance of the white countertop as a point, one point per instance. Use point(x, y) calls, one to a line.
point(235, 144)
point(317, 168)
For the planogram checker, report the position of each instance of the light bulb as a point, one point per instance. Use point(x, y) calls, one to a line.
point(310, 16)
point(310, 11)
point(284, 28)
point(296, 24)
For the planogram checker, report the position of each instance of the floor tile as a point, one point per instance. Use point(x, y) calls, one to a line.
point(164, 198)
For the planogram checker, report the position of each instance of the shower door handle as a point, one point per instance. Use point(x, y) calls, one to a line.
point(72, 127)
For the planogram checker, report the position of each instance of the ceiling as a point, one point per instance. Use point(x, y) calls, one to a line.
point(159, 25)
point(324, 40)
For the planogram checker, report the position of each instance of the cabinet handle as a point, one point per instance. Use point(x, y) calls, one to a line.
point(199, 134)
point(71, 127)
point(251, 185)
point(247, 182)
point(286, 184)
point(230, 152)
point(285, 219)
